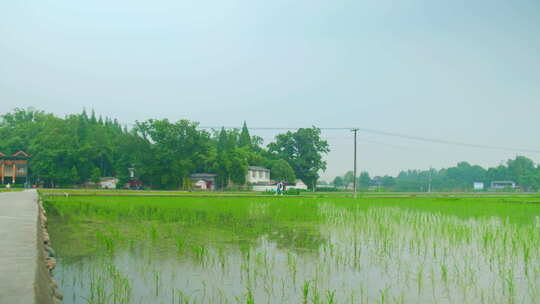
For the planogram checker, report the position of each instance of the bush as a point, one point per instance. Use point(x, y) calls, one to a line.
point(327, 189)
point(286, 192)
point(17, 186)
point(293, 192)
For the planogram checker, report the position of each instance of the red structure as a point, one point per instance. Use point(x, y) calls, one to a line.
point(13, 167)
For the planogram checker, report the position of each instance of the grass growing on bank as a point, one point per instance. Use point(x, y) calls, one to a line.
point(11, 189)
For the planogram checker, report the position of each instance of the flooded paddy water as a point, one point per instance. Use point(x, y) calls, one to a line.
point(296, 250)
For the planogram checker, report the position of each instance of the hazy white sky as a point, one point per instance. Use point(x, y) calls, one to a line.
point(457, 70)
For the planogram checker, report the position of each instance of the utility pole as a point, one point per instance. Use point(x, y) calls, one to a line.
point(355, 130)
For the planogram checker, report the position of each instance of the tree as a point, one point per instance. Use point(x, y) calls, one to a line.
point(245, 139)
point(282, 171)
point(177, 149)
point(338, 182)
point(231, 163)
point(364, 180)
point(348, 179)
point(74, 176)
point(96, 175)
point(303, 150)
point(522, 170)
point(388, 181)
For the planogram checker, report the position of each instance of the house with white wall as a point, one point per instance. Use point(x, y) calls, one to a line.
point(258, 175)
point(502, 185)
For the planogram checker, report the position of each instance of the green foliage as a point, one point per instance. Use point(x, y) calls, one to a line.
point(79, 148)
point(293, 191)
point(327, 189)
point(245, 139)
point(339, 182)
point(303, 150)
point(64, 151)
point(174, 151)
point(96, 175)
point(282, 171)
point(364, 180)
point(521, 170)
point(231, 164)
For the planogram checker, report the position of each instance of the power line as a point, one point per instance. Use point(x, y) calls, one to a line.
point(269, 128)
point(447, 142)
point(390, 134)
point(393, 134)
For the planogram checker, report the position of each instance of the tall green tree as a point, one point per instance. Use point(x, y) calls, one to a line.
point(282, 171)
point(177, 149)
point(231, 163)
point(364, 180)
point(245, 139)
point(338, 182)
point(303, 150)
point(522, 170)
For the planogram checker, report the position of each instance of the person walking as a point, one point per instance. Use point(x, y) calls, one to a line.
point(279, 187)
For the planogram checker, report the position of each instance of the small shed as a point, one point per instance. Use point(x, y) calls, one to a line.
point(108, 182)
point(203, 181)
point(501, 185)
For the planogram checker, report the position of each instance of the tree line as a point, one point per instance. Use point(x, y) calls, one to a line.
point(77, 148)
point(461, 177)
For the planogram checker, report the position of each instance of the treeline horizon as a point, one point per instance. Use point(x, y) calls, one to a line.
point(521, 170)
point(79, 148)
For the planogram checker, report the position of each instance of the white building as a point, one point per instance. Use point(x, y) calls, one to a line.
point(258, 175)
point(299, 185)
point(478, 186)
point(501, 185)
point(108, 182)
point(203, 181)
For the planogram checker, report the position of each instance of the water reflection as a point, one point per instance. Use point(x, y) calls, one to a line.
point(388, 255)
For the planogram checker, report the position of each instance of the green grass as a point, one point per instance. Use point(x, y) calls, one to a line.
point(11, 189)
point(238, 209)
point(343, 194)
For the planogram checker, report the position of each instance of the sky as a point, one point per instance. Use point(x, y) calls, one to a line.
point(464, 71)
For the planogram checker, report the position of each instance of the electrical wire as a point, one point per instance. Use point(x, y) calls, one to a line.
point(393, 134)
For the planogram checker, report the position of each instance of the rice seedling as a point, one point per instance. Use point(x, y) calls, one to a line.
point(302, 250)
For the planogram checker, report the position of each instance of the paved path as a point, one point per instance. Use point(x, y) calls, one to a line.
point(18, 247)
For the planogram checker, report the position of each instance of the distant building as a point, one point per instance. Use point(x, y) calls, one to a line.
point(108, 182)
point(104, 183)
point(478, 186)
point(203, 181)
point(501, 185)
point(299, 185)
point(14, 167)
point(258, 175)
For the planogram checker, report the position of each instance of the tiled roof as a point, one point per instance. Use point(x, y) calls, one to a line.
point(257, 168)
point(19, 153)
point(199, 175)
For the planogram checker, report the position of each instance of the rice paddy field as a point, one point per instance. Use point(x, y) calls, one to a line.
point(130, 249)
